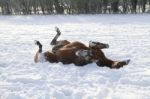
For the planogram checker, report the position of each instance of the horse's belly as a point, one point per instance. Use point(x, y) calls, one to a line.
point(66, 56)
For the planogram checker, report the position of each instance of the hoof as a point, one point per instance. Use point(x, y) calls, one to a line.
point(36, 42)
point(57, 30)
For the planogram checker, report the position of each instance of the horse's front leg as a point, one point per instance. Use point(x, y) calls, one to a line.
point(97, 45)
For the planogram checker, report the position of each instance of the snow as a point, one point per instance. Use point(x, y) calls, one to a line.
point(127, 35)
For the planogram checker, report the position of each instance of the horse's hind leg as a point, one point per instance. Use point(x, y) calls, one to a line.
point(38, 44)
point(38, 55)
point(54, 41)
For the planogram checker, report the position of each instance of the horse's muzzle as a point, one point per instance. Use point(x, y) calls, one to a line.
point(107, 46)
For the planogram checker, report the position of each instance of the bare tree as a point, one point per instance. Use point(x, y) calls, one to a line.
point(72, 6)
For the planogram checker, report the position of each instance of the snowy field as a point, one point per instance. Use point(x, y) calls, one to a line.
point(127, 35)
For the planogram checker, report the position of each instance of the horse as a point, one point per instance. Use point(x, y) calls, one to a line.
point(76, 53)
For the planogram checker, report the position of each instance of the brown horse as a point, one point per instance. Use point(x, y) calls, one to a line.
point(77, 53)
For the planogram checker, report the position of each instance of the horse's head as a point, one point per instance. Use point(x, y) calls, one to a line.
point(119, 64)
point(98, 45)
point(112, 64)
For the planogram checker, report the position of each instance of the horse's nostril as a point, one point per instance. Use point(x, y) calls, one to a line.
point(107, 46)
point(127, 61)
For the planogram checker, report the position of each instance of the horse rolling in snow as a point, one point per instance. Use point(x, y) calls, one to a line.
point(76, 53)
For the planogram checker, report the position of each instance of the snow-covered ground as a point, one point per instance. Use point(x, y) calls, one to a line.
point(127, 35)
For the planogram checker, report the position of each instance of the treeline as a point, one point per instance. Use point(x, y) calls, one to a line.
point(9, 7)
